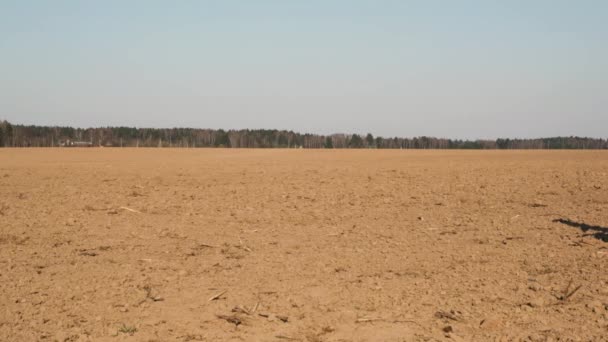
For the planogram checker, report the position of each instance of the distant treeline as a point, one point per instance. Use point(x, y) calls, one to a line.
point(44, 136)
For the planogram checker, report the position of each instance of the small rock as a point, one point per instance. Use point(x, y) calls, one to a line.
point(535, 287)
point(328, 329)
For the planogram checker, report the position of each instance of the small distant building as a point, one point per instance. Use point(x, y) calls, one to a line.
point(70, 143)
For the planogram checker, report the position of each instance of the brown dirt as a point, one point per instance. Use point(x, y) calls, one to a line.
point(302, 245)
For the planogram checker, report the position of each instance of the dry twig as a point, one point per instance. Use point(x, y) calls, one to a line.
point(131, 210)
point(217, 296)
point(231, 319)
point(241, 309)
point(567, 293)
point(366, 319)
point(448, 315)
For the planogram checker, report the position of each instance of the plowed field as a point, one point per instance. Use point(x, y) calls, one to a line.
point(303, 245)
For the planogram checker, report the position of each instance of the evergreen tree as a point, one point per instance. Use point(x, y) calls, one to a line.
point(282, 140)
point(369, 139)
point(222, 139)
point(355, 141)
point(379, 142)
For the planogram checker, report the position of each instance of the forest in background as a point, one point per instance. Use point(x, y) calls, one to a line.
point(12, 135)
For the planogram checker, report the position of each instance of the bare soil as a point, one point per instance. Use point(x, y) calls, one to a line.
point(303, 245)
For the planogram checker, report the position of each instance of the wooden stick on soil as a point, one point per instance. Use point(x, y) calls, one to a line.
point(573, 292)
point(365, 319)
point(217, 296)
point(131, 210)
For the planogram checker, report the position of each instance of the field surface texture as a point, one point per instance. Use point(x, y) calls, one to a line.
point(303, 245)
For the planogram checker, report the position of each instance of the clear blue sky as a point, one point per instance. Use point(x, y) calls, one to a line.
point(463, 69)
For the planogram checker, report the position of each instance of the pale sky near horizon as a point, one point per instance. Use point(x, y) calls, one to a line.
point(459, 69)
